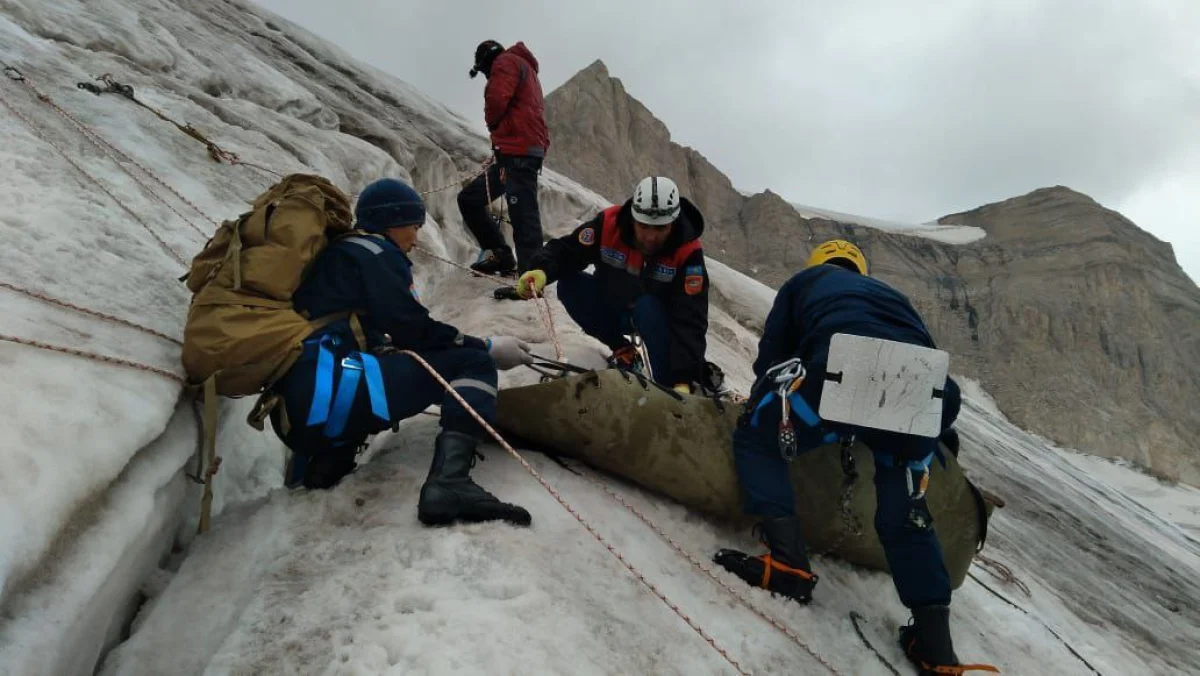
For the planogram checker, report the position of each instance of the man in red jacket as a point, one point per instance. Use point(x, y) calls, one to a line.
point(514, 112)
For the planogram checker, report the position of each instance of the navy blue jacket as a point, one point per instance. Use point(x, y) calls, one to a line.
point(371, 275)
point(826, 299)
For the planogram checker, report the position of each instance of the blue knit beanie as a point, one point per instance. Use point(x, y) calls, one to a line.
point(388, 203)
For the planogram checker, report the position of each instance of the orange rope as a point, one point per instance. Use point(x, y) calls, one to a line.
point(37, 132)
point(116, 155)
point(707, 570)
point(571, 510)
point(100, 315)
point(548, 320)
point(459, 182)
point(91, 355)
point(546, 314)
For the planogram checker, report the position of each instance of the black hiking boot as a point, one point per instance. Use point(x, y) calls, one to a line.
point(784, 569)
point(321, 470)
point(506, 293)
point(495, 262)
point(450, 495)
point(927, 644)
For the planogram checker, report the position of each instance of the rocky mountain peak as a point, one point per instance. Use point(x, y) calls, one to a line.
point(1079, 323)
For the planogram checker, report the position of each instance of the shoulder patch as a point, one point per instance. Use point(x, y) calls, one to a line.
point(693, 284)
point(587, 236)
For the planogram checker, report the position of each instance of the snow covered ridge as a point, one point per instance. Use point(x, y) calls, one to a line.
point(93, 492)
point(949, 234)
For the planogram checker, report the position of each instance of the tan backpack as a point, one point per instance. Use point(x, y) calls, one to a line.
point(242, 332)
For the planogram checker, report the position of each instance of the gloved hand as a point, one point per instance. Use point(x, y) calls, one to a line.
point(508, 352)
point(531, 282)
point(683, 388)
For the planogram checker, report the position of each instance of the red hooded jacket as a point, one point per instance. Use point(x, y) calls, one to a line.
point(513, 106)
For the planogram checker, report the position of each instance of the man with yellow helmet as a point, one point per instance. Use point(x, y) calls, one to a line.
point(835, 295)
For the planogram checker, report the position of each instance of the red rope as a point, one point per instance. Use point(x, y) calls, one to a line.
point(116, 155)
point(548, 320)
point(93, 356)
point(707, 570)
point(546, 314)
point(37, 132)
point(94, 313)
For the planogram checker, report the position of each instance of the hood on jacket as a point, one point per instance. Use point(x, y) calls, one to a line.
point(521, 51)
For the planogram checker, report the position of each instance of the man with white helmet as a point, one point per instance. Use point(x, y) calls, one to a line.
point(649, 278)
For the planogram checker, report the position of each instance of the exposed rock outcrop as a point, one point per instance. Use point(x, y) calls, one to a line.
point(1081, 325)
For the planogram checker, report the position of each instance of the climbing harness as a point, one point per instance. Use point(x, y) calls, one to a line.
point(334, 410)
point(787, 377)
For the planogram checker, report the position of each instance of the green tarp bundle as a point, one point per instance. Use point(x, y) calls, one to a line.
point(683, 449)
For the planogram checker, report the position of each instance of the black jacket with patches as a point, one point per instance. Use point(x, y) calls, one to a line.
point(677, 275)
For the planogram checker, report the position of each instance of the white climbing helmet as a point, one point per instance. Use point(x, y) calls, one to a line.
point(656, 201)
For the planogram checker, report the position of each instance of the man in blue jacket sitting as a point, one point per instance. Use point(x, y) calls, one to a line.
point(833, 295)
point(341, 391)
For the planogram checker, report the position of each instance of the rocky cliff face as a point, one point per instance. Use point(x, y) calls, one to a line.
point(1096, 314)
point(1081, 325)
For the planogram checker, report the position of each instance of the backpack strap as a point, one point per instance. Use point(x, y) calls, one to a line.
point(235, 253)
point(208, 447)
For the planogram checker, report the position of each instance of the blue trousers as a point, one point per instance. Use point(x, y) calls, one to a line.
point(607, 322)
point(914, 555)
point(409, 390)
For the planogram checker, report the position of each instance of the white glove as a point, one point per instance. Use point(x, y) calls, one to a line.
point(508, 352)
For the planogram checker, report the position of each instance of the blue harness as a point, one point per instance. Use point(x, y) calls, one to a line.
point(797, 404)
point(334, 410)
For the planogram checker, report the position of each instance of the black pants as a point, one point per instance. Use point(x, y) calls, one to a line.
point(516, 178)
point(320, 461)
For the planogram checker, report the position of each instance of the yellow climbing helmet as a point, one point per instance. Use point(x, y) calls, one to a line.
point(837, 250)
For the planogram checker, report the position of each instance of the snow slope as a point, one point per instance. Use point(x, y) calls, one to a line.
point(950, 234)
point(96, 513)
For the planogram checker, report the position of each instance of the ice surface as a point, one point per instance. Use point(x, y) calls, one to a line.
point(93, 496)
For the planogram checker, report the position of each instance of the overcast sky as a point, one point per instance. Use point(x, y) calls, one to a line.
point(899, 110)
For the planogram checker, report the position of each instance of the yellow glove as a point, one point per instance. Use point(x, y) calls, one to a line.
point(535, 279)
point(683, 388)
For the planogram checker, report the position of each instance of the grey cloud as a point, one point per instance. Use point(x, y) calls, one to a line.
point(896, 110)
